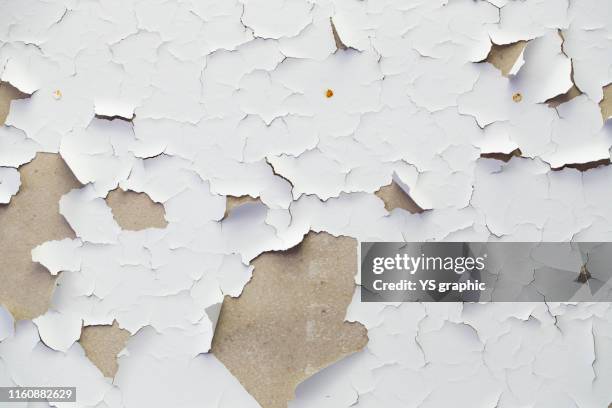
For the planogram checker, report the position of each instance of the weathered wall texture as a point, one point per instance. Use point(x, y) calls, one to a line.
point(289, 321)
point(183, 185)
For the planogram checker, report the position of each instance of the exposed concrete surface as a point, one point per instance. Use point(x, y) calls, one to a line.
point(135, 211)
point(289, 321)
point(102, 344)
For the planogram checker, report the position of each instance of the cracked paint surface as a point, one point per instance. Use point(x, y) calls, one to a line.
point(309, 108)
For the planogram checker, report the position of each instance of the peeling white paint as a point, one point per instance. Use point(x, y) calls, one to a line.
point(190, 102)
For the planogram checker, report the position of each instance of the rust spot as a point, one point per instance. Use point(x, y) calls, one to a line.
point(329, 93)
point(517, 97)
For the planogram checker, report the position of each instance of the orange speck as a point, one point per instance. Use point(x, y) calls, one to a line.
point(57, 94)
point(517, 97)
point(329, 93)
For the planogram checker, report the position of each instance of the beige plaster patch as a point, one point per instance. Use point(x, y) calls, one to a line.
point(102, 344)
point(289, 321)
point(135, 211)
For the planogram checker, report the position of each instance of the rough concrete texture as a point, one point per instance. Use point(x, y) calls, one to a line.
point(102, 344)
point(32, 218)
point(135, 211)
point(289, 321)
